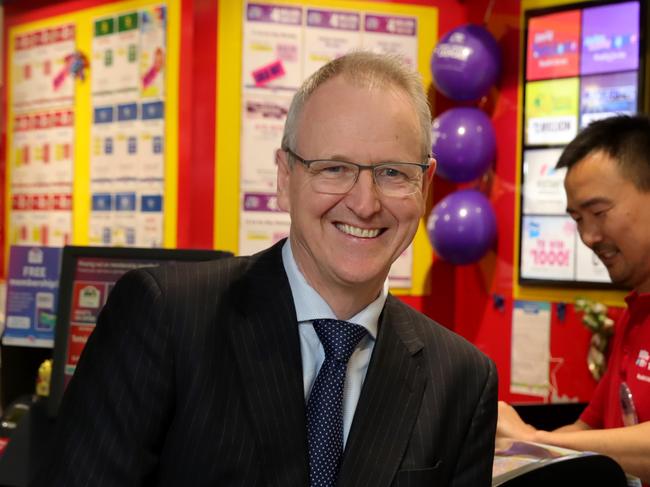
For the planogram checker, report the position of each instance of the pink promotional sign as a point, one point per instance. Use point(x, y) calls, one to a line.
point(553, 46)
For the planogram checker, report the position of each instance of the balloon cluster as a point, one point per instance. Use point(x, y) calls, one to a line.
point(465, 65)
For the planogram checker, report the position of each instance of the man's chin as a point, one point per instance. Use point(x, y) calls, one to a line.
point(625, 282)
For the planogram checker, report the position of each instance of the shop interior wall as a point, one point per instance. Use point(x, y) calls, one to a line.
point(483, 294)
point(476, 300)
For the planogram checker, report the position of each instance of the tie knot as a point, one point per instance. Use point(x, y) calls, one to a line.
point(339, 338)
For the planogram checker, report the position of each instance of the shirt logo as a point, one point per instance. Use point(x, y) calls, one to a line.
point(643, 359)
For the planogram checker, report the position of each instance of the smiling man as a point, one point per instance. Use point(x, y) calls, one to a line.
point(294, 366)
point(608, 195)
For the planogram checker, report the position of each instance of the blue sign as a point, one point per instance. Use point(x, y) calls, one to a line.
point(103, 114)
point(32, 296)
point(153, 110)
point(151, 202)
point(127, 111)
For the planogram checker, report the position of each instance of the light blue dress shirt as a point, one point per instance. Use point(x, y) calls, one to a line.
point(310, 306)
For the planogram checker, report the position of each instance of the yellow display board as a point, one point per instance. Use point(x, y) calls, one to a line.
point(83, 23)
point(538, 293)
point(229, 96)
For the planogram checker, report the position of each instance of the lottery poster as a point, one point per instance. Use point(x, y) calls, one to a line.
point(282, 46)
point(45, 63)
point(127, 160)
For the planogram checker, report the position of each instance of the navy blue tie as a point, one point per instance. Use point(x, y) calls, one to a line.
point(325, 405)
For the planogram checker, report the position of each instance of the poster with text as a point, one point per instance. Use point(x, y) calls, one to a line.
point(32, 296)
point(94, 278)
point(548, 248)
point(41, 71)
point(282, 46)
point(127, 164)
point(551, 111)
point(104, 46)
point(152, 46)
point(263, 116)
point(543, 190)
point(607, 95)
point(262, 223)
point(553, 46)
point(40, 157)
point(272, 46)
point(392, 34)
point(531, 348)
point(329, 35)
point(610, 38)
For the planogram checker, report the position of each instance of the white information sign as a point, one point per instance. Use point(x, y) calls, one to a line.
point(548, 247)
point(543, 189)
point(531, 342)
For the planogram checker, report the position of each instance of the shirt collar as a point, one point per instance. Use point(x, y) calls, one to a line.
point(310, 305)
point(638, 302)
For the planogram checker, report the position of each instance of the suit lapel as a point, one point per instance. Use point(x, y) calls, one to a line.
point(389, 403)
point(265, 339)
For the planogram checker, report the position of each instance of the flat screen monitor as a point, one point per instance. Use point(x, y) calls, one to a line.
point(87, 276)
point(582, 62)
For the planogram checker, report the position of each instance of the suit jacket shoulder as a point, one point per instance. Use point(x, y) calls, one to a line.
point(427, 411)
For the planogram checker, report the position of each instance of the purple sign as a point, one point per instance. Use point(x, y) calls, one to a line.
point(610, 38)
point(261, 202)
point(32, 296)
point(327, 19)
point(276, 14)
point(384, 24)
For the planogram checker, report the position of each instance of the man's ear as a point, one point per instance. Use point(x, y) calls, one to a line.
point(284, 173)
point(428, 177)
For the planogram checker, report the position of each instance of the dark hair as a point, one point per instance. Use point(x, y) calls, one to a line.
point(624, 138)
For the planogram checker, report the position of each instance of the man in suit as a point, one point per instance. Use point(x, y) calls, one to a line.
point(205, 374)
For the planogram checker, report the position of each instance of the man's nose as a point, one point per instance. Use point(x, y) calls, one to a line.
point(590, 234)
point(363, 198)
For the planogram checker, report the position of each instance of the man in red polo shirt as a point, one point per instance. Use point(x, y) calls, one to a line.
point(608, 195)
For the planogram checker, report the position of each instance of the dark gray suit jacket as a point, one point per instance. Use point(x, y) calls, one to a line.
point(193, 377)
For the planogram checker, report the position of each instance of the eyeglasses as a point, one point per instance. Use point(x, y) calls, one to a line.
point(338, 177)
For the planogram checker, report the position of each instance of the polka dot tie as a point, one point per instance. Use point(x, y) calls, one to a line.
point(325, 405)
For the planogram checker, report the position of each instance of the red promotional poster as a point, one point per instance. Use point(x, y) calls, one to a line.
point(87, 300)
point(553, 46)
point(76, 342)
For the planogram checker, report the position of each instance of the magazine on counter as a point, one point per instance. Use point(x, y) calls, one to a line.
point(514, 458)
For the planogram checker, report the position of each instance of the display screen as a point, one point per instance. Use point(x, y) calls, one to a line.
point(610, 38)
point(583, 62)
point(551, 111)
point(606, 95)
point(87, 276)
point(543, 192)
point(553, 43)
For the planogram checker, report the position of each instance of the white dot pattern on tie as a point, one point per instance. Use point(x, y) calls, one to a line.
point(325, 405)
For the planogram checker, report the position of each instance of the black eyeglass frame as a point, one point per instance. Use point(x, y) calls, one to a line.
point(371, 167)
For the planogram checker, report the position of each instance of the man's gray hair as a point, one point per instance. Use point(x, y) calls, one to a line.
point(367, 70)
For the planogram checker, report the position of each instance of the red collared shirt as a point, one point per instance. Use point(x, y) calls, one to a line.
point(628, 362)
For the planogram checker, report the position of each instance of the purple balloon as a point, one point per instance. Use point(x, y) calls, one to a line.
point(464, 144)
point(462, 226)
point(466, 63)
